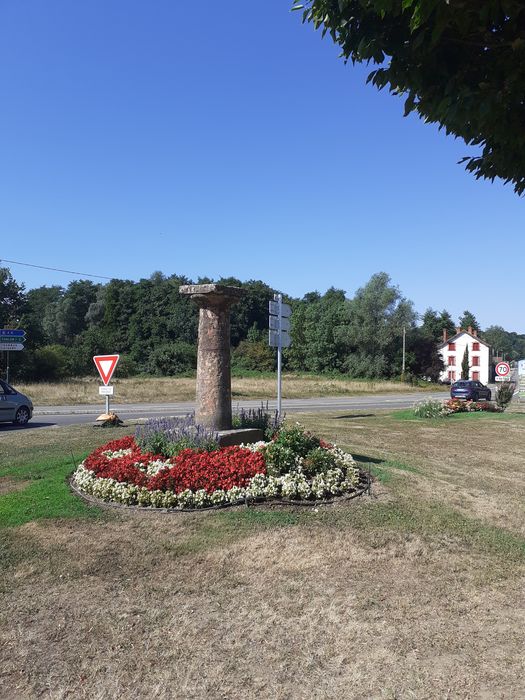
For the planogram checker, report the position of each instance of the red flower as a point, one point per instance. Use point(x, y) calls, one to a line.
point(120, 468)
point(194, 470)
point(220, 469)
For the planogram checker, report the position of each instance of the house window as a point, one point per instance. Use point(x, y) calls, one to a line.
point(452, 376)
point(451, 360)
point(475, 376)
point(475, 347)
point(475, 361)
point(452, 346)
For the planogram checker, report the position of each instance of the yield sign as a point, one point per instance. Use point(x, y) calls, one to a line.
point(106, 366)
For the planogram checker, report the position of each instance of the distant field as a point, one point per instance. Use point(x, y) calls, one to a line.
point(164, 390)
point(415, 592)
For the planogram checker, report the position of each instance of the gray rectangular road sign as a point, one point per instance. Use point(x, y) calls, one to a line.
point(286, 309)
point(274, 339)
point(274, 323)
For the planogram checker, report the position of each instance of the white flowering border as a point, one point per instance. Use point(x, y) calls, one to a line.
point(294, 486)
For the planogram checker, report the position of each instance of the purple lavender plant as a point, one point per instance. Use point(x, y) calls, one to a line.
point(168, 436)
point(269, 423)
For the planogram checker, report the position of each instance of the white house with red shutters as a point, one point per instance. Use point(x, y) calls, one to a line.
point(452, 350)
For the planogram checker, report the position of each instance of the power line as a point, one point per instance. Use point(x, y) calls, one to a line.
point(56, 269)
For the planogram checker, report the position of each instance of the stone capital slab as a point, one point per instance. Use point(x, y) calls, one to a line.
point(213, 295)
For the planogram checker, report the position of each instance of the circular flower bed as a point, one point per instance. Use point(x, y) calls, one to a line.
point(294, 465)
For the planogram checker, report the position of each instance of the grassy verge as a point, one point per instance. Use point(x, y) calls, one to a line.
point(34, 468)
point(408, 414)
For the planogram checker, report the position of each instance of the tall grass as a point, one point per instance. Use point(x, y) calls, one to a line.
point(170, 389)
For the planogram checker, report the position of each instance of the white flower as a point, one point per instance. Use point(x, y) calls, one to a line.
point(117, 453)
point(218, 497)
point(257, 486)
point(254, 446)
point(186, 499)
point(155, 467)
point(295, 485)
point(235, 494)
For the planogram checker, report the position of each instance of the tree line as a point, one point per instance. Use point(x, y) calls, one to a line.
point(154, 329)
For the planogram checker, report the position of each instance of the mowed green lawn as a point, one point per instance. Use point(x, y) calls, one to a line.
point(413, 592)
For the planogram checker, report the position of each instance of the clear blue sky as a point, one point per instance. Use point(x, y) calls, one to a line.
point(217, 139)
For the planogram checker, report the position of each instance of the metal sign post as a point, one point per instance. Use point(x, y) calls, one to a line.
point(279, 337)
point(521, 380)
point(106, 366)
point(11, 339)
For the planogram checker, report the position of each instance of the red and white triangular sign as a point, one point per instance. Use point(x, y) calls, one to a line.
point(106, 366)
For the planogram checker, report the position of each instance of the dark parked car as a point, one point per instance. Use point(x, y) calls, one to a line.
point(470, 389)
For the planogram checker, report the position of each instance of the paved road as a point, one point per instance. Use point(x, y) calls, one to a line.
point(55, 416)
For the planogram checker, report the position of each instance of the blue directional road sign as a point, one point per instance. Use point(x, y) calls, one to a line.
point(12, 333)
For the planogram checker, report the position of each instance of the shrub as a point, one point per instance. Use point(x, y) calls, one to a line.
point(504, 395)
point(429, 409)
point(169, 436)
point(297, 440)
point(318, 461)
point(170, 359)
point(281, 459)
point(269, 423)
point(127, 367)
point(51, 363)
point(253, 355)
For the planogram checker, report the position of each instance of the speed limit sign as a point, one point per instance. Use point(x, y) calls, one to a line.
point(503, 369)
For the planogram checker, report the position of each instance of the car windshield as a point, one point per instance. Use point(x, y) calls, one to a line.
point(461, 385)
point(6, 388)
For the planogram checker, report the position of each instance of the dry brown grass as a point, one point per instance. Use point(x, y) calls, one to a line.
point(414, 593)
point(171, 389)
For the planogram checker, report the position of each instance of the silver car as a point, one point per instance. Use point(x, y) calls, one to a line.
point(14, 406)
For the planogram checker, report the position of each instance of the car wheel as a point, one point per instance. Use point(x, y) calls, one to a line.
point(22, 416)
point(475, 396)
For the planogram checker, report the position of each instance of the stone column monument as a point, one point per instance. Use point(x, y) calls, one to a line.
point(214, 405)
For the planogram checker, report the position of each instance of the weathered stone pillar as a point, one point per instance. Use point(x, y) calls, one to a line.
point(214, 403)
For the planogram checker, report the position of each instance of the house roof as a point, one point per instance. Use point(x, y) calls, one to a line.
point(453, 338)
